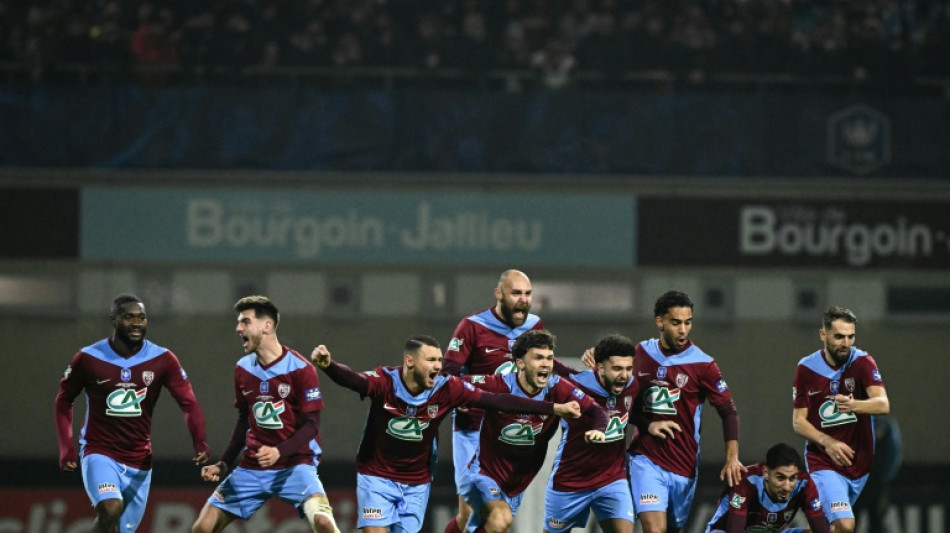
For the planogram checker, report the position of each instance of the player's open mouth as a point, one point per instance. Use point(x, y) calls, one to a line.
point(543, 375)
point(245, 342)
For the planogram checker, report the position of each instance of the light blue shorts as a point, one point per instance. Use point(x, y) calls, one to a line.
point(244, 491)
point(655, 489)
point(464, 445)
point(477, 489)
point(386, 503)
point(105, 479)
point(837, 493)
point(566, 510)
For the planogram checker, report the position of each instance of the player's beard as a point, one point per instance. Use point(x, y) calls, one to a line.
point(122, 334)
point(508, 314)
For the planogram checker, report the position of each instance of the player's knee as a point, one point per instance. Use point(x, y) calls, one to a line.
point(843, 525)
point(320, 515)
point(498, 521)
point(109, 511)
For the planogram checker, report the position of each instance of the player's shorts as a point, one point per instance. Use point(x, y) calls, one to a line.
point(477, 489)
point(385, 503)
point(106, 478)
point(244, 491)
point(566, 510)
point(837, 493)
point(655, 489)
point(464, 444)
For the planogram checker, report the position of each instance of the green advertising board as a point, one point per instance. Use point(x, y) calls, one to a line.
point(396, 228)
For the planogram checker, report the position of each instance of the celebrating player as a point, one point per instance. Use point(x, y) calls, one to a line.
point(769, 497)
point(122, 376)
point(585, 478)
point(675, 377)
point(481, 345)
point(278, 399)
point(512, 447)
point(836, 390)
point(397, 453)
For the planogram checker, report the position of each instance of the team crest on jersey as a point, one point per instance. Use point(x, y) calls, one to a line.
point(627, 402)
point(849, 384)
point(126, 374)
point(788, 515)
point(611, 402)
point(834, 387)
point(771, 518)
point(432, 410)
point(736, 501)
point(681, 380)
point(454, 345)
point(148, 377)
point(661, 372)
point(265, 387)
point(283, 389)
point(649, 499)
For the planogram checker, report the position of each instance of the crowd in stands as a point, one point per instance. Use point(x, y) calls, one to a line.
point(880, 39)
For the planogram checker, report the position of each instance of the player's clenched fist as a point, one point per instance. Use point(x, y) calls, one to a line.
point(568, 410)
point(320, 356)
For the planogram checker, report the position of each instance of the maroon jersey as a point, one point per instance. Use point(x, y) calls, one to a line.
point(402, 431)
point(582, 466)
point(511, 446)
point(481, 345)
point(674, 386)
point(121, 393)
point(275, 398)
point(815, 386)
point(751, 501)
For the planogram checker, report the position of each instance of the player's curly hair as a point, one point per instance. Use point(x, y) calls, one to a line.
point(611, 345)
point(261, 305)
point(669, 300)
point(535, 338)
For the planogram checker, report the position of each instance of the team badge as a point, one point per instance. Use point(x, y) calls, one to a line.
point(627, 402)
point(433, 410)
point(148, 377)
point(126, 374)
point(265, 387)
point(611, 402)
point(849, 384)
point(681, 380)
point(661, 373)
point(771, 518)
point(834, 387)
point(283, 389)
point(789, 514)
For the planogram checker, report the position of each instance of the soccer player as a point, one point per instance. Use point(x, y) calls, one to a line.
point(836, 391)
point(585, 477)
point(481, 345)
point(769, 497)
point(122, 376)
point(278, 399)
point(675, 377)
point(512, 447)
point(397, 453)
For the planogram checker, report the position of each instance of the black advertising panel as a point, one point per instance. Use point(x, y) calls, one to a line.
point(793, 233)
point(39, 223)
